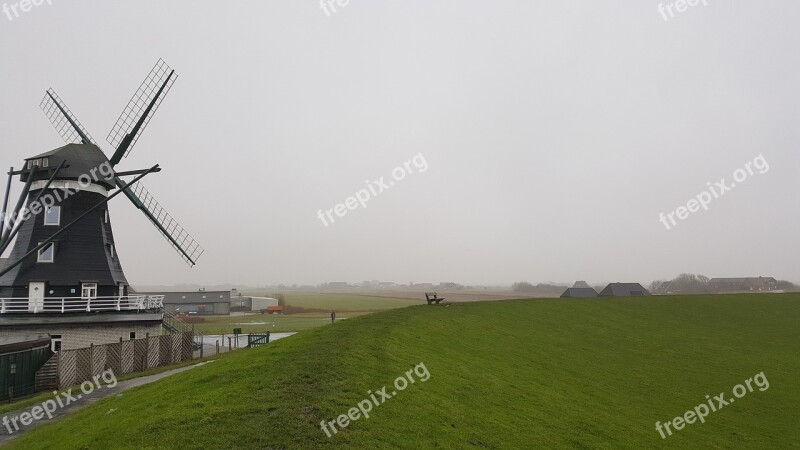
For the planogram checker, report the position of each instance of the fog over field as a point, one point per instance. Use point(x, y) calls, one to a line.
point(475, 142)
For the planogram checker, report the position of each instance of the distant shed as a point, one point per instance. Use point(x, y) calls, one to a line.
point(574, 292)
point(580, 289)
point(624, 290)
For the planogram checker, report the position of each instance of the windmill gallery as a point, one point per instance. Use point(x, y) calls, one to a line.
point(63, 277)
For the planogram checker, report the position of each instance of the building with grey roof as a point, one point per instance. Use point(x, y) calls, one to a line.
point(743, 284)
point(624, 290)
point(201, 303)
point(580, 289)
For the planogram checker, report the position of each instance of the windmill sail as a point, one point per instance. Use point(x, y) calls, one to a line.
point(123, 137)
point(67, 125)
point(140, 110)
point(180, 239)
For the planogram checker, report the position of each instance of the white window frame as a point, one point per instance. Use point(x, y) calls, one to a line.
point(58, 221)
point(52, 259)
point(40, 162)
point(90, 287)
point(56, 339)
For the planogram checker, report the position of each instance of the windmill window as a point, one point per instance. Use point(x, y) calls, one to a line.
point(89, 291)
point(41, 162)
point(55, 342)
point(52, 216)
point(111, 250)
point(47, 254)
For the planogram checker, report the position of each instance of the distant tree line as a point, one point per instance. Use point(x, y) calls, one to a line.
point(450, 286)
point(541, 288)
point(685, 283)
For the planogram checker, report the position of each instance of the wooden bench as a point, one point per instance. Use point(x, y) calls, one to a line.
point(433, 297)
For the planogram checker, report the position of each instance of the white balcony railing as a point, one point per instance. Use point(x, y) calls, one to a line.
point(63, 305)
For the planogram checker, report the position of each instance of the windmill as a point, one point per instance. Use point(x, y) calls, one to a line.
point(66, 249)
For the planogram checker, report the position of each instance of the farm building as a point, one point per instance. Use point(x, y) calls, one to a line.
point(201, 303)
point(624, 290)
point(259, 303)
point(579, 289)
point(240, 302)
point(20, 357)
point(743, 284)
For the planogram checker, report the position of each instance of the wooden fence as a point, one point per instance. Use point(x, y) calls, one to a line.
point(123, 357)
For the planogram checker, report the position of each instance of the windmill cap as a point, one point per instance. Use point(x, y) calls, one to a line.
point(81, 159)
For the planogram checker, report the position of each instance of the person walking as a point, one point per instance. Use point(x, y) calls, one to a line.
point(333, 316)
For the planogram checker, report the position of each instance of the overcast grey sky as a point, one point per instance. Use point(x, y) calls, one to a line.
point(554, 134)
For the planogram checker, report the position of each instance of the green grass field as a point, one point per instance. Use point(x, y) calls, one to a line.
point(346, 306)
point(594, 373)
point(344, 302)
point(257, 323)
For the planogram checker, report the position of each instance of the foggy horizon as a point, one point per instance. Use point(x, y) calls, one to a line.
point(553, 136)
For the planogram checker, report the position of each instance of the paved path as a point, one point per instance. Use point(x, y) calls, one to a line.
point(80, 401)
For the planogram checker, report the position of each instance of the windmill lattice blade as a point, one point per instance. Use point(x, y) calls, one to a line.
point(180, 239)
point(67, 125)
point(150, 92)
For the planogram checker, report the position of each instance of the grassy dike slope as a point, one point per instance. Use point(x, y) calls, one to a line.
point(516, 374)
